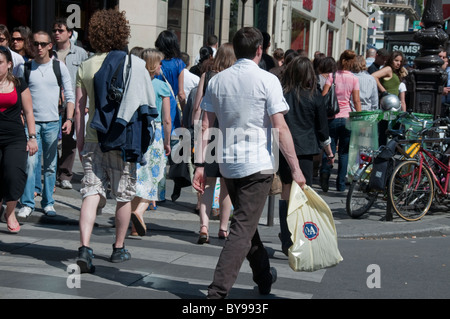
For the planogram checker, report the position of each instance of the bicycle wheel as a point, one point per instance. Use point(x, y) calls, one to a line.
point(359, 198)
point(411, 190)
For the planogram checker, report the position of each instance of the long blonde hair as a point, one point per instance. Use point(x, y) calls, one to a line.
point(152, 58)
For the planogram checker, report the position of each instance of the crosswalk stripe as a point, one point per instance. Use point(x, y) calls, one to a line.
point(184, 253)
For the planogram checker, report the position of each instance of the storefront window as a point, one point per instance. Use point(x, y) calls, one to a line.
point(261, 12)
point(15, 13)
point(349, 40)
point(300, 32)
point(234, 18)
point(210, 19)
point(330, 43)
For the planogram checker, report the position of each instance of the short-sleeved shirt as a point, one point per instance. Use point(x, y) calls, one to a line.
point(243, 97)
point(161, 91)
point(346, 83)
point(11, 125)
point(85, 80)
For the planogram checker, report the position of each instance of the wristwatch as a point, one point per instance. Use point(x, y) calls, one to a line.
point(71, 120)
point(32, 136)
point(199, 164)
point(330, 156)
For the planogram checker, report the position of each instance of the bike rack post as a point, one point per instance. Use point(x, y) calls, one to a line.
point(389, 217)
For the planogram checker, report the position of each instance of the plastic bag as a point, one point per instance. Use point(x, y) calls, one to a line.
point(313, 231)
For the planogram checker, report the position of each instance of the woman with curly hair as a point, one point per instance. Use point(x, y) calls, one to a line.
point(108, 33)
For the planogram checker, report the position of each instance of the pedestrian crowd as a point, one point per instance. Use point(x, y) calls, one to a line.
point(121, 110)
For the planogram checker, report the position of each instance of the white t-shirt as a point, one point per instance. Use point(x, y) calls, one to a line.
point(243, 97)
point(190, 81)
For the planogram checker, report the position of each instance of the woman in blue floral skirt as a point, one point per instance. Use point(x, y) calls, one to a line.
point(151, 178)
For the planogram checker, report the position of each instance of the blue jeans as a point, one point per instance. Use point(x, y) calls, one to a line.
point(47, 136)
point(340, 136)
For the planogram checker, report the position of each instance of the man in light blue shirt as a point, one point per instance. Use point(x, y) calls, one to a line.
point(72, 56)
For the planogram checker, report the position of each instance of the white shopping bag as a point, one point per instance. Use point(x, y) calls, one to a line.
point(313, 231)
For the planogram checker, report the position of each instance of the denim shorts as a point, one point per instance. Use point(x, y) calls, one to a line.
point(101, 169)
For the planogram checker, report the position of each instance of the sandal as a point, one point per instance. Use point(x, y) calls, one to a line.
point(139, 224)
point(204, 237)
point(14, 230)
point(152, 207)
point(223, 234)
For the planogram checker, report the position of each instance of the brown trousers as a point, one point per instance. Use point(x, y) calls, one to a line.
point(248, 196)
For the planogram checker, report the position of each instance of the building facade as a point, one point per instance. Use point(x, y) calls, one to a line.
point(395, 15)
point(328, 26)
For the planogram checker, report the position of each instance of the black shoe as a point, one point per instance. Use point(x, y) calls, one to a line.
point(176, 193)
point(324, 178)
point(119, 255)
point(84, 260)
point(264, 289)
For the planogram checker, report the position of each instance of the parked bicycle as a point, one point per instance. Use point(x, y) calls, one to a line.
point(415, 184)
point(370, 180)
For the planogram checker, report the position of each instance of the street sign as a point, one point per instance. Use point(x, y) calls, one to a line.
point(404, 42)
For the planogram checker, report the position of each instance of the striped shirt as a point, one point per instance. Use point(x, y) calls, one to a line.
point(368, 92)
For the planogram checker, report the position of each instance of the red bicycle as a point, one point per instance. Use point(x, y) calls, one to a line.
point(414, 184)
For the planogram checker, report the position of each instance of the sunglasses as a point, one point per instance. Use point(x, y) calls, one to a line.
point(58, 30)
point(42, 44)
point(17, 39)
point(2, 39)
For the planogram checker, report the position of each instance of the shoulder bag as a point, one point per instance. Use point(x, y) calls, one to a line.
point(331, 101)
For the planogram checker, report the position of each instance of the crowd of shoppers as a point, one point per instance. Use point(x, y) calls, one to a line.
point(48, 86)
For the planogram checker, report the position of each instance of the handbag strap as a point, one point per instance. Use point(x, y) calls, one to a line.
point(171, 91)
point(170, 86)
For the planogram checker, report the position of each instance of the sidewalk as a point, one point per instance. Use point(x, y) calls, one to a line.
point(180, 215)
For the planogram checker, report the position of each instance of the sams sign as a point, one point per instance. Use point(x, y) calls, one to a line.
point(403, 42)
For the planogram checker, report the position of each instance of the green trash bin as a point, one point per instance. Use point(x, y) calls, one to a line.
point(364, 137)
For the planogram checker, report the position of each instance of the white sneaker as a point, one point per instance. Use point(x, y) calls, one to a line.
point(49, 211)
point(65, 185)
point(24, 212)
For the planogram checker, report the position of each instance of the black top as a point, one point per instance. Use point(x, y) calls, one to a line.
point(307, 121)
point(11, 125)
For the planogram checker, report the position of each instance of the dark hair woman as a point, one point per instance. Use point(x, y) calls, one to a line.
point(15, 98)
point(308, 123)
point(172, 71)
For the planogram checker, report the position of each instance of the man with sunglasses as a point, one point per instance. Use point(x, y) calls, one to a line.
point(45, 91)
point(72, 55)
point(17, 59)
